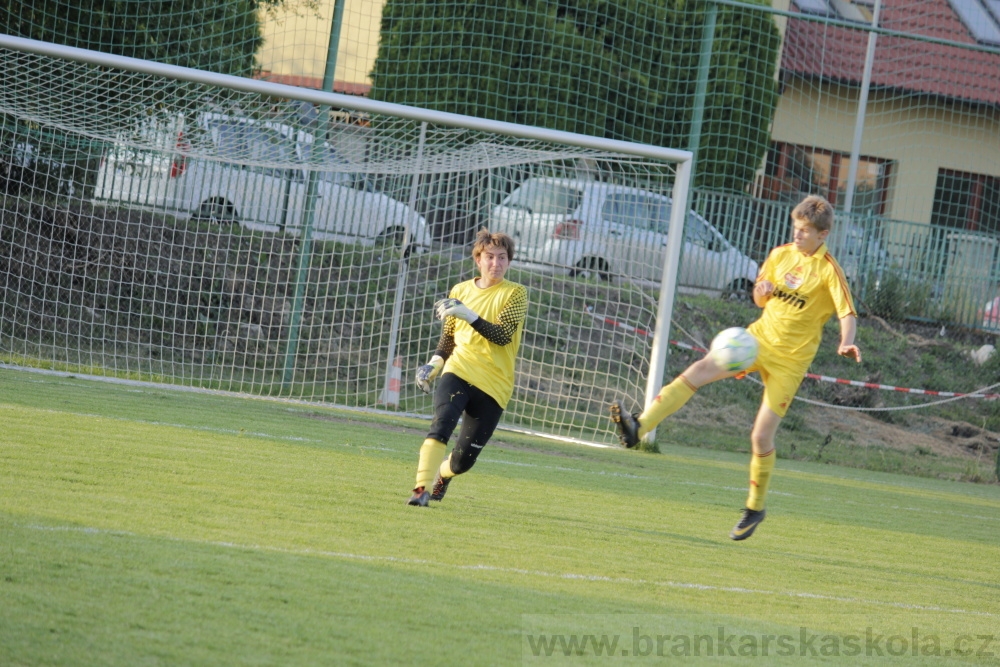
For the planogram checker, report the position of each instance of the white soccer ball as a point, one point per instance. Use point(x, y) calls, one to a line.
point(734, 349)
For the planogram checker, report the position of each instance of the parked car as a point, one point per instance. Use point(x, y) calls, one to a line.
point(594, 228)
point(249, 181)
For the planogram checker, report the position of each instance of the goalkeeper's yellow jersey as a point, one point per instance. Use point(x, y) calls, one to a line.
point(807, 291)
point(475, 359)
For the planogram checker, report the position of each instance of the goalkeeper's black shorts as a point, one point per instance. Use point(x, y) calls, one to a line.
point(480, 414)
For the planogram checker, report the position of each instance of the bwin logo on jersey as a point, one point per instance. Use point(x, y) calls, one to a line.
point(789, 298)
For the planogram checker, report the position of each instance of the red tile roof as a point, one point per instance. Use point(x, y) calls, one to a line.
point(815, 49)
point(346, 87)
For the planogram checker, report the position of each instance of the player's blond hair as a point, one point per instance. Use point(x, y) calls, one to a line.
point(815, 210)
point(484, 240)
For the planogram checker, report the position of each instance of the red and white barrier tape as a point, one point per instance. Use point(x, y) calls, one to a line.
point(811, 376)
point(903, 390)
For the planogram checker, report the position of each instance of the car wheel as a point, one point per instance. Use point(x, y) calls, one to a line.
point(216, 211)
point(391, 236)
point(739, 290)
point(591, 268)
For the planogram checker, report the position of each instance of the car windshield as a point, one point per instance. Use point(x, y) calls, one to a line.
point(547, 198)
point(242, 141)
point(698, 233)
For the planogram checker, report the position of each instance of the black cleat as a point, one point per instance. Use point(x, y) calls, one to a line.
point(747, 524)
point(420, 497)
point(440, 487)
point(628, 425)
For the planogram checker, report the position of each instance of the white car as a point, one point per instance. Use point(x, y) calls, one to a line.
point(246, 178)
point(594, 228)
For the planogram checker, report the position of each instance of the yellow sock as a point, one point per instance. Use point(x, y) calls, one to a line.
point(670, 399)
point(760, 477)
point(445, 469)
point(431, 454)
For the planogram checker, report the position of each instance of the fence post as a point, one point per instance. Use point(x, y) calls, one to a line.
point(701, 84)
point(309, 212)
point(859, 125)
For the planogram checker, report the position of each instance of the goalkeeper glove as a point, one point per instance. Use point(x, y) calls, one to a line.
point(427, 373)
point(454, 308)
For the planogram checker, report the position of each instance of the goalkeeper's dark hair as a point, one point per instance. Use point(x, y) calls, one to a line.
point(484, 240)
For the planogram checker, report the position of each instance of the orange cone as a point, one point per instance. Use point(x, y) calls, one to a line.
point(390, 395)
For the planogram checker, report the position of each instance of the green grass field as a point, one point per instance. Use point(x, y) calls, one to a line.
point(140, 526)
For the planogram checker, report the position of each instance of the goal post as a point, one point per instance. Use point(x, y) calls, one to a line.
point(242, 252)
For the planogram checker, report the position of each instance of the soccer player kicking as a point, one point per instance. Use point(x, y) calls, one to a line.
point(483, 321)
point(799, 286)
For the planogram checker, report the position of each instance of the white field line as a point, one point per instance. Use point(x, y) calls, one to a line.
point(340, 555)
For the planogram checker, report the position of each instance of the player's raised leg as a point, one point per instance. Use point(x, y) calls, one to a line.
point(632, 427)
point(672, 397)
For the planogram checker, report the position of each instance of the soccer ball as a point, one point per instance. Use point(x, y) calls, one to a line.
point(734, 349)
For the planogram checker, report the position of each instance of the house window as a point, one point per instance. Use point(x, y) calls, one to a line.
point(967, 201)
point(793, 171)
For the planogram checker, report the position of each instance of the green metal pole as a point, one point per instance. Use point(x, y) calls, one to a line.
point(701, 83)
point(698, 113)
point(668, 286)
point(331, 51)
point(309, 213)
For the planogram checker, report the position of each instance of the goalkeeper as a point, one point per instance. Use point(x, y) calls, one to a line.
point(473, 365)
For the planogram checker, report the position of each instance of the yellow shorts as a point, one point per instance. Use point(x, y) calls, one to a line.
point(781, 379)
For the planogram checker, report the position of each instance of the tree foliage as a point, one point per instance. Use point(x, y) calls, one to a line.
point(217, 36)
point(622, 69)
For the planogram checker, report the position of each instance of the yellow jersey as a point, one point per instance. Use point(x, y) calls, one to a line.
point(480, 362)
point(807, 291)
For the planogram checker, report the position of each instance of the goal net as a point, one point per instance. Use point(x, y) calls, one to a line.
point(190, 233)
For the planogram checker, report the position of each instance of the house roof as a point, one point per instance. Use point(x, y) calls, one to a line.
point(346, 87)
point(833, 52)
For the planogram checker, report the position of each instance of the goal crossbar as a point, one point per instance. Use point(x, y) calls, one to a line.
point(340, 100)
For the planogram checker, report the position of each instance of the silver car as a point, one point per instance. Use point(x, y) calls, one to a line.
point(594, 228)
point(252, 181)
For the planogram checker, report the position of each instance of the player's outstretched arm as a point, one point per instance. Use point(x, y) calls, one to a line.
point(848, 329)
